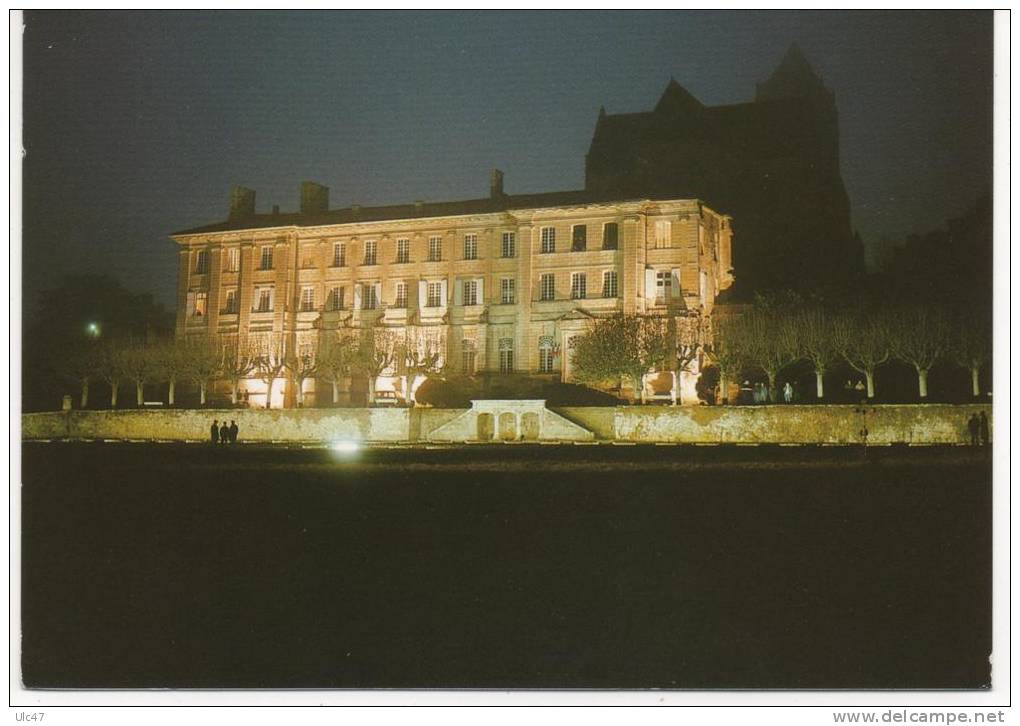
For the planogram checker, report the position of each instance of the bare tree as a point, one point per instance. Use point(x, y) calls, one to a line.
point(422, 353)
point(920, 336)
point(110, 365)
point(303, 363)
point(770, 343)
point(815, 335)
point(170, 366)
point(377, 353)
point(80, 366)
point(726, 352)
point(141, 365)
point(201, 362)
point(971, 346)
point(862, 338)
point(240, 353)
point(271, 361)
point(337, 356)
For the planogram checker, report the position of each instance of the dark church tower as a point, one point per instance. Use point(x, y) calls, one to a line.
point(772, 164)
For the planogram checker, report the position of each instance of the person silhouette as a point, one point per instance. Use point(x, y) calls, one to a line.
point(974, 426)
point(233, 431)
point(224, 432)
point(984, 434)
point(214, 432)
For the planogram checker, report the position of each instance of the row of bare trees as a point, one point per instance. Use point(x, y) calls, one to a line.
point(336, 356)
point(774, 335)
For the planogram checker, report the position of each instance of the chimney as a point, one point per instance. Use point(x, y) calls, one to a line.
point(355, 211)
point(242, 203)
point(419, 207)
point(496, 184)
point(314, 198)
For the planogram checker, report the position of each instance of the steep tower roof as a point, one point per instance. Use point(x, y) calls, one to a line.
point(677, 100)
point(793, 77)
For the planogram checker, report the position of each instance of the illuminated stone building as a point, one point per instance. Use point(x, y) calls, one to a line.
point(502, 282)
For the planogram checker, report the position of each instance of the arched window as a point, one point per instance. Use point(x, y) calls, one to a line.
point(545, 354)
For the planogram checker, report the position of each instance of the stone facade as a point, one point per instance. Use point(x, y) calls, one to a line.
point(503, 283)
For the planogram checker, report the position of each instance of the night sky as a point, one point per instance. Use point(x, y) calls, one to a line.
point(138, 124)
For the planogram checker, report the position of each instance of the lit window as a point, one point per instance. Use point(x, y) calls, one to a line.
point(369, 299)
point(435, 249)
point(548, 239)
point(307, 299)
point(663, 234)
point(471, 247)
point(663, 286)
point(230, 302)
point(339, 254)
point(578, 286)
point(434, 295)
point(403, 251)
point(308, 257)
point(509, 247)
point(263, 299)
point(610, 236)
point(336, 299)
point(369, 252)
point(400, 300)
point(470, 292)
point(579, 239)
point(545, 355)
point(609, 283)
point(506, 355)
point(547, 287)
point(468, 356)
point(266, 263)
point(233, 259)
point(507, 294)
point(202, 262)
point(201, 301)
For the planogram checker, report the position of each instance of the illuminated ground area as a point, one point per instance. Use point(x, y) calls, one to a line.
point(507, 566)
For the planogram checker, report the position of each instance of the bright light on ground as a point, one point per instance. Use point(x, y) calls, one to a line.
point(345, 447)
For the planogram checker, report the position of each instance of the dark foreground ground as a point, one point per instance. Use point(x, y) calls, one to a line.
point(505, 567)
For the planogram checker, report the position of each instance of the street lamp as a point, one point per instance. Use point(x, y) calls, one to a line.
point(93, 329)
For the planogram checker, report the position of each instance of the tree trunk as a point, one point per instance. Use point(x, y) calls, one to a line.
point(201, 393)
point(113, 394)
point(724, 388)
point(975, 381)
point(171, 391)
point(869, 376)
point(819, 385)
point(233, 391)
point(922, 383)
point(269, 392)
point(773, 392)
point(639, 385)
point(336, 392)
point(139, 393)
point(84, 392)
point(371, 390)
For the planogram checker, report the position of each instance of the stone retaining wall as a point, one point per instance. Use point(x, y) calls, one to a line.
point(886, 424)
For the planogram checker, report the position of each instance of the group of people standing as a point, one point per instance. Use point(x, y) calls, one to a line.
point(223, 434)
point(978, 428)
point(759, 393)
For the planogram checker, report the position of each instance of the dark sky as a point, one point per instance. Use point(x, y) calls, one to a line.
point(137, 124)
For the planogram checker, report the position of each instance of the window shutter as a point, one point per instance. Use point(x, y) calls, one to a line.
point(422, 293)
point(674, 291)
point(378, 294)
point(357, 297)
point(444, 293)
point(458, 292)
point(649, 284)
point(481, 290)
point(190, 306)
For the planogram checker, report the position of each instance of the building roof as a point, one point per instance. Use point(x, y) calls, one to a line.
point(355, 214)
